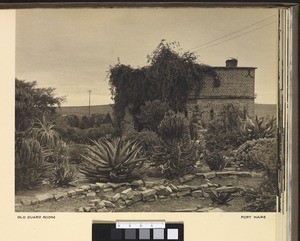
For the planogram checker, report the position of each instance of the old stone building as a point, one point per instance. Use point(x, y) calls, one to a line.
point(236, 87)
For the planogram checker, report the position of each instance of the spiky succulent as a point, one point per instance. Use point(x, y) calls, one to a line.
point(220, 198)
point(111, 160)
point(258, 128)
point(175, 158)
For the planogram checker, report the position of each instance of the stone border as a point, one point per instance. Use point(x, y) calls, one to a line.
point(140, 190)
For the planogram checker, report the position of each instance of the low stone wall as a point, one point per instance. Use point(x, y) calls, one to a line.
point(115, 196)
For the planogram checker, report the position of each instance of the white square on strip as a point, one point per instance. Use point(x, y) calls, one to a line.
point(172, 233)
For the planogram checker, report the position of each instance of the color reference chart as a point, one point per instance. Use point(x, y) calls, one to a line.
point(135, 231)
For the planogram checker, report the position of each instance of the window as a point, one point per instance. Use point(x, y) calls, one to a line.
point(211, 114)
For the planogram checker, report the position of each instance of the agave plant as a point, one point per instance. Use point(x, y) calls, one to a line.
point(220, 198)
point(259, 128)
point(111, 160)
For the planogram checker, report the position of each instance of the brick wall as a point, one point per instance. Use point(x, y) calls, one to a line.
point(208, 109)
point(236, 87)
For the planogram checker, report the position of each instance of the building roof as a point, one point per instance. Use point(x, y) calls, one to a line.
point(224, 67)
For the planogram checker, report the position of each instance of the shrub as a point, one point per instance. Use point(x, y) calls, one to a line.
point(148, 139)
point(76, 135)
point(30, 167)
point(111, 160)
point(74, 153)
point(32, 102)
point(174, 126)
point(264, 198)
point(224, 132)
point(214, 160)
point(97, 132)
point(175, 158)
point(258, 154)
point(152, 114)
point(260, 201)
point(261, 154)
point(259, 128)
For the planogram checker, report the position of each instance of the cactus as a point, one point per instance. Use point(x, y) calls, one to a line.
point(30, 167)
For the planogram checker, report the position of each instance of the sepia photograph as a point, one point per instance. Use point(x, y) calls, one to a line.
point(146, 110)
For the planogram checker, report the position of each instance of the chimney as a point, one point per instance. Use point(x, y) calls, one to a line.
point(231, 63)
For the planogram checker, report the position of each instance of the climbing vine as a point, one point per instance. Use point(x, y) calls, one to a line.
point(169, 76)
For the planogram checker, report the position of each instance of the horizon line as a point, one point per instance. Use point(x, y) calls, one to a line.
point(113, 104)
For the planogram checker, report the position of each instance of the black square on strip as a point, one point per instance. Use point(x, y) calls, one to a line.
point(116, 233)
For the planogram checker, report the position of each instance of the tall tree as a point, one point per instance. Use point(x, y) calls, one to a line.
point(33, 103)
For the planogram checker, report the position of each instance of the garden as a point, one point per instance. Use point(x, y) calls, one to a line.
point(149, 155)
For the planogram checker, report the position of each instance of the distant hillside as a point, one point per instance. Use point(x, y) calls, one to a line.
point(84, 110)
point(259, 109)
point(265, 110)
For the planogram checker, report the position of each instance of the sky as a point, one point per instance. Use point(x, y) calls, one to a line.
point(71, 49)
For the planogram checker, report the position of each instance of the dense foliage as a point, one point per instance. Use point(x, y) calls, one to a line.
point(175, 159)
point(169, 76)
point(83, 136)
point(264, 198)
point(85, 122)
point(30, 165)
point(152, 114)
point(224, 132)
point(147, 139)
point(35, 136)
point(32, 102)
point(260, 154)
point(214, 160)
point(176, 155)
point(174, 127)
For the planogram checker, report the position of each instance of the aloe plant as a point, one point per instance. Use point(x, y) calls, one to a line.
point(258, 128)
point(45, 133)
point(62, 174)
point(175, 158)
point(111, 160)
point(220, 198)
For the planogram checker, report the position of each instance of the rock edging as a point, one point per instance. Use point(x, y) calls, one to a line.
point(125, 194)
